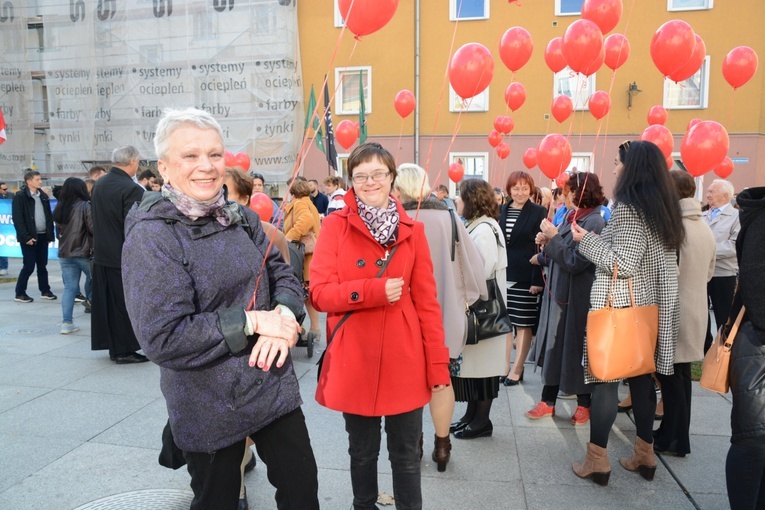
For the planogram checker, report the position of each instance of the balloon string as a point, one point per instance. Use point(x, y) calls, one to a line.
point(730, 109)
point(400, 134)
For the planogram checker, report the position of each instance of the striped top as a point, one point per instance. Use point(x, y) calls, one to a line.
point(512, 217)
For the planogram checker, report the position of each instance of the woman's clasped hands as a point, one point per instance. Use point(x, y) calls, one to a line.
point(278, 334)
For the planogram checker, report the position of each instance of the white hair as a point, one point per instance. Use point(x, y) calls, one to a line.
point(124, 155)
point(173, 119)
point(412, 182)
point(726, 186)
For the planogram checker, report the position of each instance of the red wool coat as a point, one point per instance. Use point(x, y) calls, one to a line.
point(385, 358)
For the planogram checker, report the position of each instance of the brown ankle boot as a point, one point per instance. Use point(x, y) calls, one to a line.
point(442, 452)
point(595, 465)
point(642, 460)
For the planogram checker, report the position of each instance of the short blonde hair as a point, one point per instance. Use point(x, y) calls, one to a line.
point(412, 182)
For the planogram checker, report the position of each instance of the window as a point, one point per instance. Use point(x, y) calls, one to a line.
point(475, 165)
point(468, 9)
point(339, 21)
point(342, 167)
point(479, 102)
point(568, 7)
point(581, 162)
point(689, 94)
point(689, 5)
point(347, 101)
point(576, 86)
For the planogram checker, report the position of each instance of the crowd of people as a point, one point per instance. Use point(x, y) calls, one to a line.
point(177, 266)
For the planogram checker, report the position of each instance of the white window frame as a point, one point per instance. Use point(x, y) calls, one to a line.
point(678, 158)
point(580, 102)
point(453, 12)
point(478, 103)
point(668, 84)
point(462, 154)
point(339, 72)
point(342, 167)
point(708, 4)
point(339, 21)
point(558, 11)
point(579, 159)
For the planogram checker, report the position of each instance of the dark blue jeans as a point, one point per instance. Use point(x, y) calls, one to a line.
point(745, 474)
point(34, 255)
point(403, 432)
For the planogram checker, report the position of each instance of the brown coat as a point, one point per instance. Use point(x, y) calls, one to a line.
point(697, 265)
point(300, 218)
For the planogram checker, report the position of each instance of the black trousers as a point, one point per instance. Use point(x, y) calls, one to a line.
point(403, 433)
point(603, 409)
point(285, 448)
point(550, 396)
point(720, 290)
point(34, 255)
point(673, 434)
point(745, 474)
point(110, 324)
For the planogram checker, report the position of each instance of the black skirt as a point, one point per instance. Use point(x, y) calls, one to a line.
point(479, 388)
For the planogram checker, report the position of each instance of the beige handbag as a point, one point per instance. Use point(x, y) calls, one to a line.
point(714, 370)
point(621, 342)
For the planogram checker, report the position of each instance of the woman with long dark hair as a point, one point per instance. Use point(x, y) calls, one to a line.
point(642, 239)
point(560, 339)
point(74, 230)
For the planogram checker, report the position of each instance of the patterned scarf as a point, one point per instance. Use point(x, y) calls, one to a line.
point(225, 213)
point(382, 223)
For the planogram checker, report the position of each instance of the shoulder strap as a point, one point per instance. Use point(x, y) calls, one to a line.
point(484, 222)
point(454, 233)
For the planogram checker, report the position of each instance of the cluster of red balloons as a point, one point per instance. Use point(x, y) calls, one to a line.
point(238, 160)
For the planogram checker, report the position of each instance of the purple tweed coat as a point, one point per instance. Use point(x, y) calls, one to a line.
point(187, 284)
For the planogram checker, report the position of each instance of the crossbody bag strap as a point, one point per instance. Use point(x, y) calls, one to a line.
point(454, 233)
point(728, 344)
point(455, 241)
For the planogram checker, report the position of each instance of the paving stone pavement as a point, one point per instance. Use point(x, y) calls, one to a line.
point(76, 430)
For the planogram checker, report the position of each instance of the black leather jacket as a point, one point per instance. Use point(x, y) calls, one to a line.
point(75, 238)
point(24, 215)
point(747, 382)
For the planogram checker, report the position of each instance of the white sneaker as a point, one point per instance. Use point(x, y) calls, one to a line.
point(3, 272)
point(68, 327)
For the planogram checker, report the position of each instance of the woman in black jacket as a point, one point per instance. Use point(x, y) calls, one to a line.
point(520, 220)
point(745, 466)
point(74, 230)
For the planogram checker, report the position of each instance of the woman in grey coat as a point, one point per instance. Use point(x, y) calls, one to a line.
point(445, 234)
point(641, 238)
point(560, 339)
point(215, 308)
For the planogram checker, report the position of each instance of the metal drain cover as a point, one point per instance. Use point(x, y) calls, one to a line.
point(151, 499)
point(29, 330)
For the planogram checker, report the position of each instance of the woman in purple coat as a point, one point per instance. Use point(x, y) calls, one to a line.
point(215, 308)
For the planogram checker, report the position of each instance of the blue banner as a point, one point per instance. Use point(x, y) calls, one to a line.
point(9, 246)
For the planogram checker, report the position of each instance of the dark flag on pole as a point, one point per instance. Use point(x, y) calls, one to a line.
point(330, 145)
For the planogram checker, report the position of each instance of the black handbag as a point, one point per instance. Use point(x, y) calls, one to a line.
point(485, 319)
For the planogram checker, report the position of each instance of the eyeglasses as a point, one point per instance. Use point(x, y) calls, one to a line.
point(3, 189)
point(376, 176)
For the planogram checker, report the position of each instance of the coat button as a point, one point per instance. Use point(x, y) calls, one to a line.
point(379, 262)
point(259, 382)
point(360, 263)
point(354, 296)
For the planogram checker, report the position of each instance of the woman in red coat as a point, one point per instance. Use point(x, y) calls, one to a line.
point(388, 355)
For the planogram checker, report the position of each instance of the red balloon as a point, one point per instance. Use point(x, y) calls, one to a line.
point(596, 64)
point(657, 115)
point(494, 138)
point(367, 16)
point(404, 103)
point(672, 46)
point(582, 42)
point(456, 172)
point(661, 136)
point(228, 159)
point(553, 155)
point(739, 66)
point(515, 95)
point(515, 48)
point(261, 204)
point(670, 162)
point(694, 63)
point(704, 147)
point(617, 50)
point(346, 133)
point(604, 13)
point(530, 158)
point(562, 179)
point(241, 160)
point(692, 123)
point(503, 150)
point(725, 168)
point(561, 108)
point(554, 55)
point(471, 70)
point(599, 104)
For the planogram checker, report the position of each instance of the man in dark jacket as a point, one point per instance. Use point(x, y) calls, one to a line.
point(113, 196)
point(33, 221)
